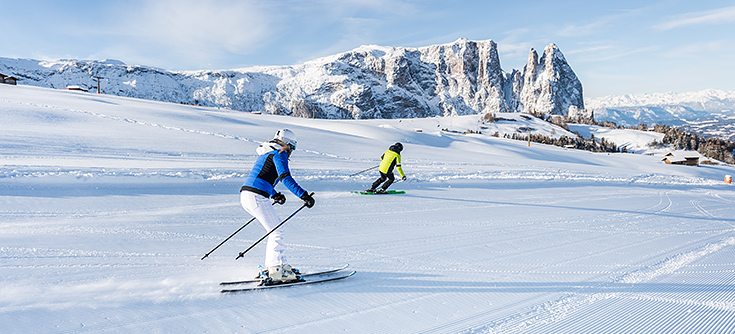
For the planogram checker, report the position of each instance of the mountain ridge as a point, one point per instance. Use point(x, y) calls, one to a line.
point(707, 112)
point(458, 78)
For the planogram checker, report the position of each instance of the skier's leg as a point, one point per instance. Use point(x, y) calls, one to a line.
point(261, 208)
point(378, 181)
point(387, 183)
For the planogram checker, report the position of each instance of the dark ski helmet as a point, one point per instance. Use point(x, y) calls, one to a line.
point(398, 147)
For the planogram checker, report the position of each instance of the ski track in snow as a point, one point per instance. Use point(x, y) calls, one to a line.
point(165, 127)
point(104, 234)
point(556, 310)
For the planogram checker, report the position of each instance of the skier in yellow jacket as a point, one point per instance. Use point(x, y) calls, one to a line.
point(391, 158)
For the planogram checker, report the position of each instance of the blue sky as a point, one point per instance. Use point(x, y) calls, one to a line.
point(615, 47)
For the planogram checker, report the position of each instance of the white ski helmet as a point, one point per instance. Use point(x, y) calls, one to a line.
point(287, 136)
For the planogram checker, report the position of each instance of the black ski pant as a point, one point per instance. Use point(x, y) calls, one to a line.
point(387, 178)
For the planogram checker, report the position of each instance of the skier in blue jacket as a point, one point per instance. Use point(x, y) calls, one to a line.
point(270, 168)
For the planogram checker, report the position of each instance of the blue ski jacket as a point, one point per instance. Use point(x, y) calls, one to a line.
point(269, 169)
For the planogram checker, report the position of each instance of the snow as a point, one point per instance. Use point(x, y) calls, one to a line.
point(701, 98)
point(365, 83)
point(108, 203)
point(707, 112)
point(632, 140)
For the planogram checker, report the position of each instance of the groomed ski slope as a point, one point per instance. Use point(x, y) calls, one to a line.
point(107, 205)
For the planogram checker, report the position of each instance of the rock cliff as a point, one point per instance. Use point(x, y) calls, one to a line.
point(459, 78)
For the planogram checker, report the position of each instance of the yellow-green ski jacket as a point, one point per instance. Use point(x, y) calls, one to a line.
point(391, 159)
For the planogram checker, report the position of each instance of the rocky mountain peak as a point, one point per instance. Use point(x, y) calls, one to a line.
point(458, 78)
point(532, 62)
point(549, 84)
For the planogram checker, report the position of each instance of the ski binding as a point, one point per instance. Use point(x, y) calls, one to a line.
point(292, 283)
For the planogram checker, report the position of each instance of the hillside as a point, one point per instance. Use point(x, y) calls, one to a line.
point(108, 204)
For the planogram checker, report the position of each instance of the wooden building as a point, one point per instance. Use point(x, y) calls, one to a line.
point(8, 79)
point(75, 87)
point(676, 159)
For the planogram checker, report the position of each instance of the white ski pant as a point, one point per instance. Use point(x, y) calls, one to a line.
point(262, 209)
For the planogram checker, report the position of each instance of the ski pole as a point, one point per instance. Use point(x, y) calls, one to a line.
point(365, 170)
point(271, 231)
point(228, 238)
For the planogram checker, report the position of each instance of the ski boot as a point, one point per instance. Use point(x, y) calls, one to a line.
point(370, 191)
point(294, 270)
point(380, 191)
point(281, 275)
point(263, 274)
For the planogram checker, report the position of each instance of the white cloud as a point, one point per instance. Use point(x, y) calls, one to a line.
point(517, 43)
point(590, 49)
point(625, 53)
point(717, 16)
point(201, 30)
point(599, 23)
point(573, 30)
point(336, 26)
point(695, 50)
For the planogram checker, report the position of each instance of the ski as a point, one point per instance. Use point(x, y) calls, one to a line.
point(283, 285)
point(387, 192)
point(318, 273)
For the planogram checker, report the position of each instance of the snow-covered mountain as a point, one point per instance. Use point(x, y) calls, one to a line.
point(707, 112)
point(460, 78)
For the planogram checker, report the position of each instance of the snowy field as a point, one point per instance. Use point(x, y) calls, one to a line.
point(633, 141)
point(107, 205)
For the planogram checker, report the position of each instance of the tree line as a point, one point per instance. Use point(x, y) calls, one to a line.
point(677, 139)
point(710, 147)
point(580, 143)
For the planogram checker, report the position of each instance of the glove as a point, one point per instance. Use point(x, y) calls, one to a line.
point(308, 200)
point(404, 178)
point(279, 198)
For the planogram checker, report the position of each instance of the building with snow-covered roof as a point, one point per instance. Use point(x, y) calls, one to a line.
point(8, 79)
point(75, 87)
point(680, 159)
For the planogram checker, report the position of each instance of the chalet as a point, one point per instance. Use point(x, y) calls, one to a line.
point(677, 159)
point(8, 80)
point(75, 87)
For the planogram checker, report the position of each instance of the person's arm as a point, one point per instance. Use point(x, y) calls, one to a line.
point(399, 168)
point(284, 174)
